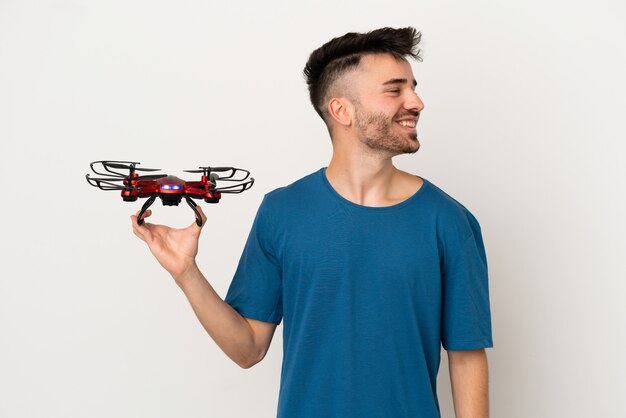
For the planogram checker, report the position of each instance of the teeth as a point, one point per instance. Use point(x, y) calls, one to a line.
point(408, 123)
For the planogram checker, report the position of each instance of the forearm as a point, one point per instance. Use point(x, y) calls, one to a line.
point(469, 377)
point(226, 326)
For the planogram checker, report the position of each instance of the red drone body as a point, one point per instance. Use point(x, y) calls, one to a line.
point(170, 189)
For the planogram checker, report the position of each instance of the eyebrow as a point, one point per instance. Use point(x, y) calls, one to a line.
point(399, 81)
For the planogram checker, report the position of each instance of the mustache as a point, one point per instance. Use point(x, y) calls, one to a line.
point(415, 114)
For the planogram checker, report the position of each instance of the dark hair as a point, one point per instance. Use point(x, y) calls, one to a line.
point(339, 55)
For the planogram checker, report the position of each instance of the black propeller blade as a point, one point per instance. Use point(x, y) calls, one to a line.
point(205, 169)
point(128, 167)
point(226, 177)
point(149, 177)
point(111, 166)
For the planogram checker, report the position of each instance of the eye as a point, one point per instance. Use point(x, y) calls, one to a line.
point(394, 91)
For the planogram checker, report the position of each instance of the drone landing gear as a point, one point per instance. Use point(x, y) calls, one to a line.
point(144, 208)
point(193, 205)
point(151, 200)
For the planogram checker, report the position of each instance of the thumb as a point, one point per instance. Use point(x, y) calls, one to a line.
point(202, 215)
point(194, 226)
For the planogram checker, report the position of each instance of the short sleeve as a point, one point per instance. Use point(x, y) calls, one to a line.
point(466, 315)
point(256, 289)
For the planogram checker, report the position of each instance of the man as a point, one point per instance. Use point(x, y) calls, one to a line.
point(371, 268)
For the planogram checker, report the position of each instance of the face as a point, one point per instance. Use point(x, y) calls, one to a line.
point(387, 108)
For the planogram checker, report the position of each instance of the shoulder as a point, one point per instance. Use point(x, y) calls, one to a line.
point(292, 194)
point(452, 217)
point(286, 205)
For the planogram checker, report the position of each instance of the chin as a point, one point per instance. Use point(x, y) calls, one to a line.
point(413, 149)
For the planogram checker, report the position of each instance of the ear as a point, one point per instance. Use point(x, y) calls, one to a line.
point(340, 111)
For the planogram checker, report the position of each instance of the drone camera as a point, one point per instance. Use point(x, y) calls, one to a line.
point(170, 200)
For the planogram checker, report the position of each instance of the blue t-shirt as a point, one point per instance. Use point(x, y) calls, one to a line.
point(367, 295)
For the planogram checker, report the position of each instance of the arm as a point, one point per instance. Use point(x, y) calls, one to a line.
point(243, 340)
point(469, 377)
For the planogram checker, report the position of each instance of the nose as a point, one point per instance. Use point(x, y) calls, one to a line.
point(413, 102)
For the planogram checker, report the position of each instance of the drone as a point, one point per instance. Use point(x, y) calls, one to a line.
point(169, 188)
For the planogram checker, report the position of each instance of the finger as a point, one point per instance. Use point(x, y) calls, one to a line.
point(194, 226)
point(142, 231)
point(146, 231)
point(202, 215)
point(145, 214)
point(137, 234)
point(148, 227)
point(135, 218)
point(133, 221)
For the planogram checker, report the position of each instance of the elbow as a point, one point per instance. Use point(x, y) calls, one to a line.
point(246, 365)
point(249, 362)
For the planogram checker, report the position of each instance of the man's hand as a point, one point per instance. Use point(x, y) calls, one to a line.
point(175, 249)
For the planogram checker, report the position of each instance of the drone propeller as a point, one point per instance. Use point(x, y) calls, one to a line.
point(109, 167)
point(111, 179)
point(149, 177)
point(205, 169)
point(228, 177)
point(130, 167)
point(108, 183)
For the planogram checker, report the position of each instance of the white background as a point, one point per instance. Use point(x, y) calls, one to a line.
point(523, 124)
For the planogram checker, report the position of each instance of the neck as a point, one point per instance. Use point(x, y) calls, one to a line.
point(363, 176)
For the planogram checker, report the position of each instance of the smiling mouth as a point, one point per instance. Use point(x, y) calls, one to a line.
point(408, 125)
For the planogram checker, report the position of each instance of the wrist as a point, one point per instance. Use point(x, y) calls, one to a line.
point(189, 274)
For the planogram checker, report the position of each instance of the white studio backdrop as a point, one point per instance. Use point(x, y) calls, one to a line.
point(524, 102)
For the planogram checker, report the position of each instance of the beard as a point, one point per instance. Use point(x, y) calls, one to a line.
point(377, 133)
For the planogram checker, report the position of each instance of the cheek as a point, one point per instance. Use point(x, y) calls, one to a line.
point(386, 108)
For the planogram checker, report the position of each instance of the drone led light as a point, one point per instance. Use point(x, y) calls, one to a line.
point(171, 186)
